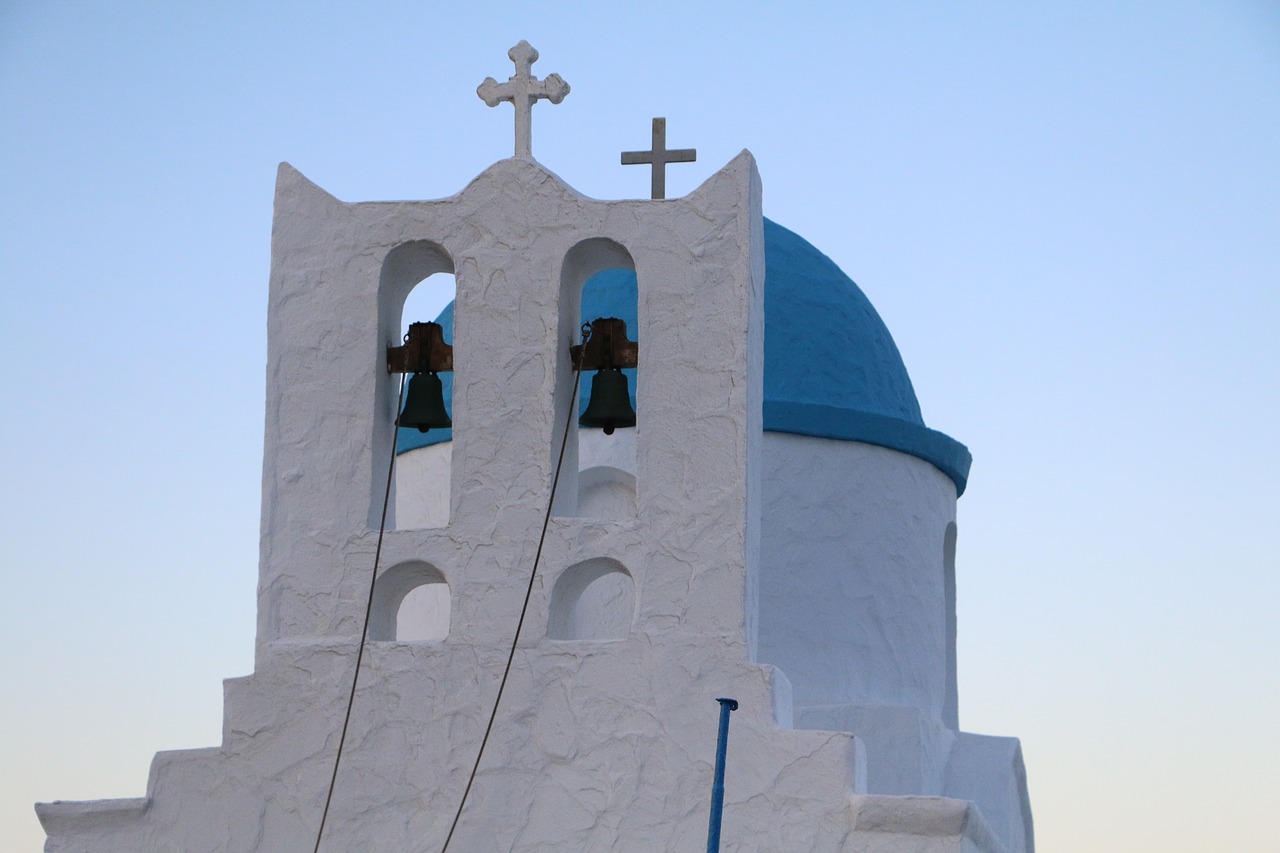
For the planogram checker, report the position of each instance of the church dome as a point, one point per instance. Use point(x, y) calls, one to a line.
point(831, 368)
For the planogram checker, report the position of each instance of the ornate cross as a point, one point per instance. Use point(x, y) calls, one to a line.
point(659, 157)
point(523, 90)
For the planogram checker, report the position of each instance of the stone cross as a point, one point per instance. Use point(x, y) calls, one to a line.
point(523, 90)
point(659, 157)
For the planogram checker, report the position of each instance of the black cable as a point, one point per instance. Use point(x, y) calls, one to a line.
point(364, 631)
point(502, 685)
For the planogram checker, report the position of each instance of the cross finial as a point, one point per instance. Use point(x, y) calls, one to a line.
point(659, 157)
point(523, 90)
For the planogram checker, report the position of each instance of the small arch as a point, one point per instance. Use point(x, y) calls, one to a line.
point(592, 600)
point(606, 493)
point(405, 266)
point(585, 259)
point(411, 603)
point(431, 299)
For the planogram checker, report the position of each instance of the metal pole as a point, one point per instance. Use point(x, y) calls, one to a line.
point(717, 787)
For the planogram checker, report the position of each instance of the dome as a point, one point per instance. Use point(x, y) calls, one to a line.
point(831, 368)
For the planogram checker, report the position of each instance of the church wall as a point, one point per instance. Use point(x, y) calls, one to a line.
point(422, 487)
point(857, 599)
point(606, 475)
point(853, 599)
point(989, 771)
point(855, 603)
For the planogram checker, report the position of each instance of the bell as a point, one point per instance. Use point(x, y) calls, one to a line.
point(610, 404)
point(424, 404)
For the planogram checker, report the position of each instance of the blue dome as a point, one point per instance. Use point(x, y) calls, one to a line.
point(831, 368)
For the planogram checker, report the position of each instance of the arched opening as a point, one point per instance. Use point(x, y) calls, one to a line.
point(425, 270)
point(598, 280)
point(592, 600)
point(424, 463)
point(427, 301)
point(410, 604)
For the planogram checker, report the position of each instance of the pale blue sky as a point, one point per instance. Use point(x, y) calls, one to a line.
point(1068, 214)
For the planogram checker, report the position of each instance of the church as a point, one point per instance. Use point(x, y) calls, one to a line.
point(671, 455)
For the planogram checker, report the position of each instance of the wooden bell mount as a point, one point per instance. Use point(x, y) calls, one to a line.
point(424, 351)
point(607, 346)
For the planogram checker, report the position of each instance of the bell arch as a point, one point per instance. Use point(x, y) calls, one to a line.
point(592, 600)
point(411, 603)
point(416, 284)
point(597, 278)
point(424, 477)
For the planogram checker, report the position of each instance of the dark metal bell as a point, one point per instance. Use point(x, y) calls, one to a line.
point(610, 404)
point(424, 404)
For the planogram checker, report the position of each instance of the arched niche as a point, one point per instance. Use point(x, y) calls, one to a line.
point(606, 493)
point(410, 604)
point(606, 269)
point(592, 600)
point(405, 266)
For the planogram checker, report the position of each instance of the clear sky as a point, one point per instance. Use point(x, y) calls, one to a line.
point(1067, 213)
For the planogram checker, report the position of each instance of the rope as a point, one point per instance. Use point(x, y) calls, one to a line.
point(502, 685)
point(364, 631)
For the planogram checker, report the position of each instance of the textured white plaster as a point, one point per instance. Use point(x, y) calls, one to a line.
point(423, 615)
point(593, 600)
point(422, 487)
point(600, 744)
point(906, 751)
point(852, 566)
point(989, 770)
point(595, 449)
point(606, 493)
point(606, 482)
point(606, 475)
point(855, 636)
point(933, 823)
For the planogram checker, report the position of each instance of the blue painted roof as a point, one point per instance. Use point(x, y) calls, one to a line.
point(831, 368)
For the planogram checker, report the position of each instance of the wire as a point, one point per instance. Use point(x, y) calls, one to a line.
point(364, 631)
point(528, 593)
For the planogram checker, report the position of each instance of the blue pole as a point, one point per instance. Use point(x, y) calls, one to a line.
point(717, 787)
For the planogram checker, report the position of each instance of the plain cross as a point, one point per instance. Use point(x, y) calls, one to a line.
point(659, 157)
point(523, 90)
